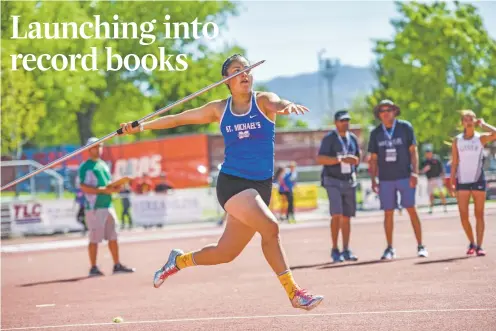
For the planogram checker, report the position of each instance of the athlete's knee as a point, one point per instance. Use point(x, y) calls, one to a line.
point(479, 216)
point(411, 210)
point(388, 214)
point(336, 219)
point(270, 230)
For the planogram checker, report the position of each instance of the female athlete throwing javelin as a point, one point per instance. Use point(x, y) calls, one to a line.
point(467, 175)
point(244, 184)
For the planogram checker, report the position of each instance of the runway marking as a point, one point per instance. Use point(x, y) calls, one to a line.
point(45, 305)
point(226, 318)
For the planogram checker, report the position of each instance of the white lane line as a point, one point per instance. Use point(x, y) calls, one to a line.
point(45, 305)
point(227, 318)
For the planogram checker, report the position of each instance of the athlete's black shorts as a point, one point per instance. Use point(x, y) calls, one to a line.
point(477, 186)
point(228, 186)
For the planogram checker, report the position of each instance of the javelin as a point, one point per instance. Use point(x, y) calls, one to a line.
point(134, 124)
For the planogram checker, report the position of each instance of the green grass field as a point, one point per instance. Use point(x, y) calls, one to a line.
point(40, 196)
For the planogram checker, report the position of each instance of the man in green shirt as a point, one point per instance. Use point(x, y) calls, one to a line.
point(95, 179)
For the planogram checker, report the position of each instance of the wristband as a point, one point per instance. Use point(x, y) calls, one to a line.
point(414, 174)
point(142, 127)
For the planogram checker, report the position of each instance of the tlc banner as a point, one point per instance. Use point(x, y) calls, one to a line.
point(43, 217)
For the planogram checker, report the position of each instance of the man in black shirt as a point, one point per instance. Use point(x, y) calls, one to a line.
point(433, 168)
point(163, 187)
point(340, 155)
point(125, 194)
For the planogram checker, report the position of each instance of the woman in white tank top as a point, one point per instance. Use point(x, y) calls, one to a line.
point(467, 175)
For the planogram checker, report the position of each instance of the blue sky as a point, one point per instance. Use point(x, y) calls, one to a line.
point(289, 34)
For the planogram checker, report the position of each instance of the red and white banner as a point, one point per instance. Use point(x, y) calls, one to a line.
point(166, 209)
point(43, 216)
point(26, 212)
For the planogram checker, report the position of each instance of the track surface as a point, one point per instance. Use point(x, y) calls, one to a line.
point(48, 290)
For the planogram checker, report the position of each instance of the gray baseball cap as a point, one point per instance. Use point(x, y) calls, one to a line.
point(92, 140)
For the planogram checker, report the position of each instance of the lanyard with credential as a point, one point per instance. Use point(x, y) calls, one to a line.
point(346, 147)
point(390, 155)
point(346, 168)
point(386, 133)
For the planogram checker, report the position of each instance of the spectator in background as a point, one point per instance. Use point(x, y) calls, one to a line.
point(293, 171)
point(340, 155)
point(432, 167)
point(79, 200)
point(286, 183)
point(145, 185)
point(292, 177)
point(394, 160)
point(126, 206)
point(447, 172)
point(95, 179)
point(163, 187)
point(278, 177)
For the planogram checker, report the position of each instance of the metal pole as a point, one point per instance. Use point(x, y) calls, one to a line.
point(134, 124)
point(32, 182)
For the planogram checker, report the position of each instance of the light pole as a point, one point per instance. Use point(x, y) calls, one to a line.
point(328, 69)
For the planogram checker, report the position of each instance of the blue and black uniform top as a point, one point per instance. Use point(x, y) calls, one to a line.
point(249, 143)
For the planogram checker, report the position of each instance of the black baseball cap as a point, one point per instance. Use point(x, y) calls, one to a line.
point(342, 115)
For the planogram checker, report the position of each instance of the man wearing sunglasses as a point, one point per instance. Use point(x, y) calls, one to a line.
point(394, 159)
point(340, 155)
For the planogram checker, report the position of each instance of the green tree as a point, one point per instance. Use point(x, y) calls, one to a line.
point(81, 103)
point(440, 60)
point(362, 115)
point(22, 106)
point(360, 111)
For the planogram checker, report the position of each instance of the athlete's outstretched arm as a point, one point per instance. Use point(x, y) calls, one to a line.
point(487, 137)
point(202, 115)
point(272, 103)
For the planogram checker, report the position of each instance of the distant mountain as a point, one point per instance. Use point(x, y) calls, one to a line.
point(304, 89)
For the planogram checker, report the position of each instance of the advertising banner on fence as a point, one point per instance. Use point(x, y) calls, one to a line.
point(60, 215)
point(183, 158)
point(43, 217)
point(165, 209)
point(26, 217)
